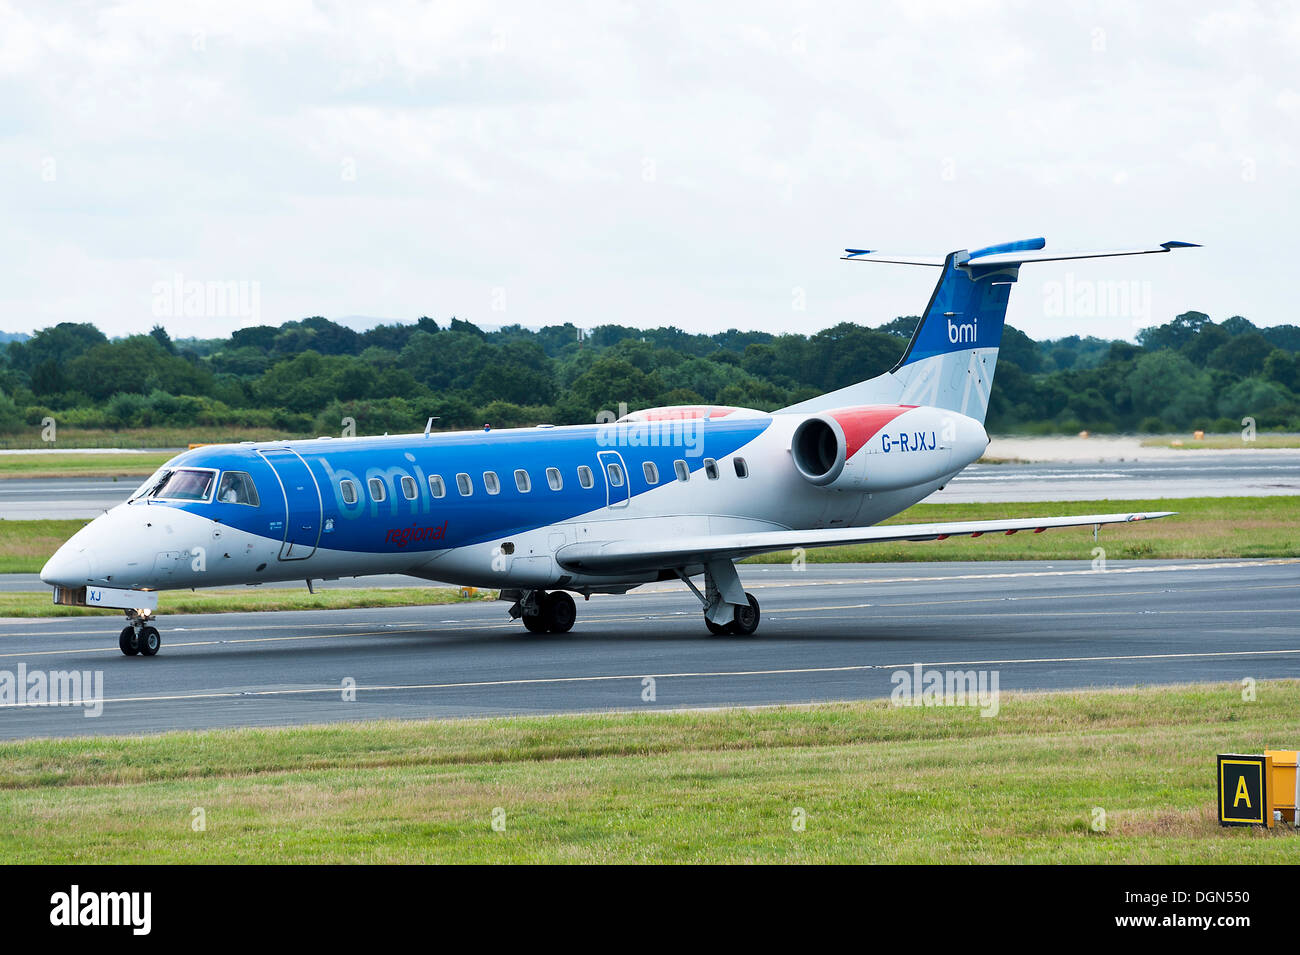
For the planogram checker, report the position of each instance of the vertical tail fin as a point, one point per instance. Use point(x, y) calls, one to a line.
point(950, 361)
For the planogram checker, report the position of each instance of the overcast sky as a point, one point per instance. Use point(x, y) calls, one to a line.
point(694, 164)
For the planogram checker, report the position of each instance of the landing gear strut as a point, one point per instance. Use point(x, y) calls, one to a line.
point(546, 613)
point(728, 609)
point(137, 637)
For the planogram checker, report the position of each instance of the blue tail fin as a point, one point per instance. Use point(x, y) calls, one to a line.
point(949, 362)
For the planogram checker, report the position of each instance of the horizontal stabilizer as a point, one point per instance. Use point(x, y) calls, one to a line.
point(1017, 258)
point(866, 255)
point(1006, 253)
point(631, 556)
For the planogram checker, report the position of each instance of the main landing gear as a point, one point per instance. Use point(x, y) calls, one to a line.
point(546, 613)
point(138, 637)
point(728, 609)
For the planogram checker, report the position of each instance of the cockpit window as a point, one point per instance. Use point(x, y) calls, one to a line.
point(237, 487)
point(184, 484)
point(149, 486)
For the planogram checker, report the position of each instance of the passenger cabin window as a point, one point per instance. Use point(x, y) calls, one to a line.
point(409, 488)
point(554, 480)
point(464, 484)
point(491, 483)
point(650, 471)
point(377, 490)
point(711, 469)
point(584, 476)
point(348, 490)
point(185, 484)
point(436, 487)
point(523, 481)
point(237, 487)
point(742, 468)
point(683, 472)
point(615, 474)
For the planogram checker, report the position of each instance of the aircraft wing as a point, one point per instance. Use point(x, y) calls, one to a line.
point(631, 556)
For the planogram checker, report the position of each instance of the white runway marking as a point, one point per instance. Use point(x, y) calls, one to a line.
point(602, 678)
point(419, 628)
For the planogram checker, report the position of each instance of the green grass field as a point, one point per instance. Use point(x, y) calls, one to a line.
point(161, 437)
point(25, 546)
point(1222, 442)
point(875, 783)
point(124, 466)
point(249, 599)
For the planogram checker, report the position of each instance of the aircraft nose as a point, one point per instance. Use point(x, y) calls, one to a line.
point(67, 568)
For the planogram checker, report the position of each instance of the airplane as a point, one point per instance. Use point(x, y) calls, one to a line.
point(544, 513)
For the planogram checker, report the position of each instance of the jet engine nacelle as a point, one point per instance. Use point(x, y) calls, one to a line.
point(884, 447)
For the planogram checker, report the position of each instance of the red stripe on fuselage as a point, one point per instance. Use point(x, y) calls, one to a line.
point(862, 424)
point(685, 412)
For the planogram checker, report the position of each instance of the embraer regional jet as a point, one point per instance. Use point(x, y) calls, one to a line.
point(543, 513)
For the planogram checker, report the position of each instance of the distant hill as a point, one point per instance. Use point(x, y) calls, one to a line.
point(313, 375)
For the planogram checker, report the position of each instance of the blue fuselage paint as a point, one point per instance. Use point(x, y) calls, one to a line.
point(399, 523)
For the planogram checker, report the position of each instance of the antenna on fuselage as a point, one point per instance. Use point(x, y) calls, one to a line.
point(428, 425)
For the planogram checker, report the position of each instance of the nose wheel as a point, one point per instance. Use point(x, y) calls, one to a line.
point(138, 638)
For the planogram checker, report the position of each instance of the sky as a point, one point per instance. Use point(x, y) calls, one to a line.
point(207, 166)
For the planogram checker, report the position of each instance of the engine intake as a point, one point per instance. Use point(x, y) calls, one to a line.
point(819, 450)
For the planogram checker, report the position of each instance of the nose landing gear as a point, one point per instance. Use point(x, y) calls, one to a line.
point(137, 637)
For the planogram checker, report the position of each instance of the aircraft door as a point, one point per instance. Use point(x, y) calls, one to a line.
point(302, 502)
point(618, 490)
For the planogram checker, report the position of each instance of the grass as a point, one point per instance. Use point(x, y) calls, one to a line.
point(1222, 442)
point(25, 546)
point(82, 465)
point(55, 465)
point(1204, 527)
point(244, 599)
point(70, 437)
point(876, 783)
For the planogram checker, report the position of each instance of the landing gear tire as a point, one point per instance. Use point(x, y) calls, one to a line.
point(150, 641)
point(556, 613)
point(559, 612)
point(129, 642)
point(743, 623)
point(746, 620)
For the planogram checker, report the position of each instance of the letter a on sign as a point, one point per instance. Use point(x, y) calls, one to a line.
point(1244, 798)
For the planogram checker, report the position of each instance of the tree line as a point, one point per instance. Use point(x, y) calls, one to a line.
point(306, 377)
